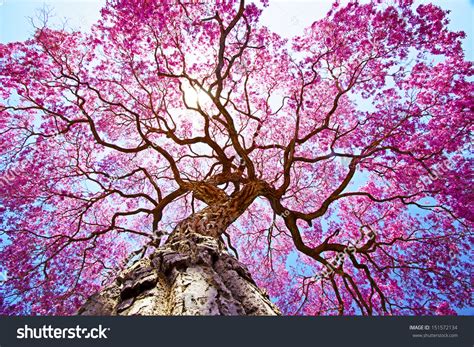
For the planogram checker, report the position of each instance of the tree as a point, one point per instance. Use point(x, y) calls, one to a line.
point(142, 158)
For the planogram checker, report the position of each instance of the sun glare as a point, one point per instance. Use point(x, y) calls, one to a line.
point(195, 96)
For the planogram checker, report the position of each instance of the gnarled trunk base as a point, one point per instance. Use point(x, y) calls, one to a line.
point(188, 276)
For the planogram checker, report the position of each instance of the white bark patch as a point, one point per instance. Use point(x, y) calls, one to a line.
point(191, 276)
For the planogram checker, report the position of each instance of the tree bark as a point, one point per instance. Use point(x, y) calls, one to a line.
point(192, 275)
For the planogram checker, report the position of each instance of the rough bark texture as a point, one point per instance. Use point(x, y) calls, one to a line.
point(192, 275)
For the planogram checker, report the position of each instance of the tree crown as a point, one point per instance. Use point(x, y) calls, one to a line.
point(354, 134)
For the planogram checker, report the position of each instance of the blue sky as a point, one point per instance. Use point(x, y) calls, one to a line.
point(283, 16)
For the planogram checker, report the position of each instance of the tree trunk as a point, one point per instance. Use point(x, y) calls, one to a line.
point(192, 274)
point(188, 276)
